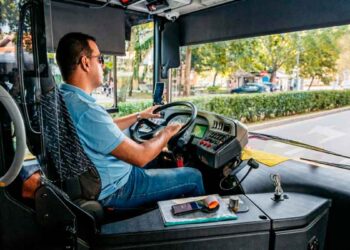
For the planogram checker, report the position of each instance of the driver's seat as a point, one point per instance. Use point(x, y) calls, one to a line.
point(69, 167)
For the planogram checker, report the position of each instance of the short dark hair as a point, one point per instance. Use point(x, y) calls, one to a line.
point(69, 51)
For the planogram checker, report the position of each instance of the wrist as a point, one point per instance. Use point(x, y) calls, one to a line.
point(168, 132)
point(138, 116)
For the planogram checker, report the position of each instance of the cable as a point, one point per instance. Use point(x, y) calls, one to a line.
point(226, 189)
point(102, 6)
point(252, 165)
point(227, 173)
point(245, 176)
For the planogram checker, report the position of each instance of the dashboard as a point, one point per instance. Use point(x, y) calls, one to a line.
point(217, 139)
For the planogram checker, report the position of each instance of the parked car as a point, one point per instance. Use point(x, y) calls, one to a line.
point(250, 88)
point(273, 87)
point(346, 84)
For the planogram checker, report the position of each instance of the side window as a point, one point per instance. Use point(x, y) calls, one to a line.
point(8, 29)
point(9, 73)
point(133, 72)
point(126, 78)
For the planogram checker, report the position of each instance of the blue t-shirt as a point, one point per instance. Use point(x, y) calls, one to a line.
point(99, 135)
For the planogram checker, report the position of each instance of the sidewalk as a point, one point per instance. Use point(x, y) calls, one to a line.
point(294, 118)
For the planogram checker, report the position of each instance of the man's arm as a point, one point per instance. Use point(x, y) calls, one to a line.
point(126, 121)
point(6, 40)
point(30, 185)
point(30, 175)
point(140, 154)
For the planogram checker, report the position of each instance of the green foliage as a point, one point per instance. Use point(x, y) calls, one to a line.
point(126, 108)
point(251, 55)
point(259, 107)
point(9, 13)
point(141, 43)
point(213, 89)
point(277, 51)
point(320, 54)
point(243, 55)
point(317, 50)
point(211, 56)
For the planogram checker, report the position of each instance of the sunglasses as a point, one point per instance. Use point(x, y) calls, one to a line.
point(100, 59)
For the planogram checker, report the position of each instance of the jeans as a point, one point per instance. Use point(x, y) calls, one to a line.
point(147, 186)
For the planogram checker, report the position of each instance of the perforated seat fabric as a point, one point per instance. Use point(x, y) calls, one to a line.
point(61, 140)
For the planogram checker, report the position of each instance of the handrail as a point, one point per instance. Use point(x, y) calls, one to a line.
point(17, 119)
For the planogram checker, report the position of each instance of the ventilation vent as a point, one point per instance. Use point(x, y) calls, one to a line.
point(172, 4)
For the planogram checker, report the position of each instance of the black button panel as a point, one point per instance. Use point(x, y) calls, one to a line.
point(215, 140)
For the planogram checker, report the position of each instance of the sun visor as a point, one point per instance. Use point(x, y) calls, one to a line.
point(240, 19)
point(107, 25)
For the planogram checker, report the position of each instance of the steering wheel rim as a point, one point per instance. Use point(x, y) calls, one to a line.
point(194, 111)
point(17, 119)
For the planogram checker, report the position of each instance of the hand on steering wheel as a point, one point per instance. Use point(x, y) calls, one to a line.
point(149, 113)
point(141, 136)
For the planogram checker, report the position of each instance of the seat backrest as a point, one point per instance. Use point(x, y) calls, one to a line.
point(73, 171)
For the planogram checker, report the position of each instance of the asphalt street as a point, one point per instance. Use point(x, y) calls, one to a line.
point(331, 132)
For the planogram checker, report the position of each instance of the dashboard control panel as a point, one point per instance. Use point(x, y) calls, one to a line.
point(214, 140)
point(219, 141)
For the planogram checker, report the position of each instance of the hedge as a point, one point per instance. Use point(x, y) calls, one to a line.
point(258, 107)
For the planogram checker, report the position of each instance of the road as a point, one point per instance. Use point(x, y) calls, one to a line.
point(331, 132)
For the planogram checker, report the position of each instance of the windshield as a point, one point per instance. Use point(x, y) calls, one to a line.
point(292, 85)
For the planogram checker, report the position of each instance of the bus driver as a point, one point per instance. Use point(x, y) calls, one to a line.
point(118, 159)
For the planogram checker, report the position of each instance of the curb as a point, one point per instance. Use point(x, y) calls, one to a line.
point(295, 118)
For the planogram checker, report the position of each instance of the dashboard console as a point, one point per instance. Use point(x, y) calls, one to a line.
point(217, 139)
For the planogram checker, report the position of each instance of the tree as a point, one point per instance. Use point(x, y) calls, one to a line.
point(343, 62)
point(244, 55)
point(319, 59)
point(211, 56)
point(251, 55)
point(277, 51)
point(140, 45)
point(187, 85)
point(9, 13)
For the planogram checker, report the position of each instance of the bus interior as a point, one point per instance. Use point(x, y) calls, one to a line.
point(312, 214)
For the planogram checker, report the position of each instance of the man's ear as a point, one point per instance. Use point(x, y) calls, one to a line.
point(85, 63)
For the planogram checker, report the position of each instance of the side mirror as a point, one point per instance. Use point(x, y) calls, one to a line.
point(170, 49)
point(158, 94)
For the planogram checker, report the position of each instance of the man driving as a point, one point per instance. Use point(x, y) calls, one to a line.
point(118, 159)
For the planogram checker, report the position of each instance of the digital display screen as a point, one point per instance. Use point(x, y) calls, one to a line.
point(199, 130)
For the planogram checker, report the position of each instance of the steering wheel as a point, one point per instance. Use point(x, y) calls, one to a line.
point(139, 136)
point(16, 117)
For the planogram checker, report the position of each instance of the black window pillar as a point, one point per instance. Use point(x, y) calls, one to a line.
point(156, 50)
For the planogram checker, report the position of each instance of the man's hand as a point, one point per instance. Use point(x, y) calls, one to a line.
point(6, 39)
point(10, 37)
point(173, 128)
point(31, 185)
point(130, 151)
point(148, 113)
